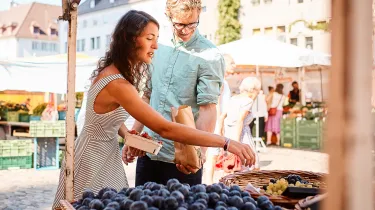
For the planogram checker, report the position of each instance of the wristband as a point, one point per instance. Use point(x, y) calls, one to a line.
point(226, 145)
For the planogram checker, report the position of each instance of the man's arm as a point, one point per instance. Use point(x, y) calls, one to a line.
point(206, 120)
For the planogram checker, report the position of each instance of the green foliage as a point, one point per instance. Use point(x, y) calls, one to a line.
point(229, 25)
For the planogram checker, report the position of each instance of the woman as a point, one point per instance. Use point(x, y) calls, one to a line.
point(112, 96)
point(273, 123)
point(238, 118)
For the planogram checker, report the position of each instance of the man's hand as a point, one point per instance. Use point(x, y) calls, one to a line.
point(185, 169)
point(265, 119)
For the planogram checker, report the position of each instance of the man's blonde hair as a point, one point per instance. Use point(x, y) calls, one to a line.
point(182, 8)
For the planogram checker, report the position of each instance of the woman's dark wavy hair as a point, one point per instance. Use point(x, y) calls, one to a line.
point(123, 48)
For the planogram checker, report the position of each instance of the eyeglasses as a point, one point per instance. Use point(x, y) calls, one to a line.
point(181, 26)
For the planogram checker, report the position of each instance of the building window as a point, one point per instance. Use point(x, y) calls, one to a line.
point(268, 30)
point(35, 45)
point(52, 47)
point(111, 1)
point(84, 25)
point(256, 31)
point(94, 22)
point(309, 42)
point(204, 9)
point(83, 43)
point(92, 4)
point(267, 1)
point(300, 1)
point(293, 41)
point(280, 29)
point(95, 43)
point(98, 42)
point(53, 31)
point(255, 2)
point(92, 43)
point(107, 41)
point(36, 30)
point(44, 46)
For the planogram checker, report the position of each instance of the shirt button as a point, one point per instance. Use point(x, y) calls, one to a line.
point(170, 66)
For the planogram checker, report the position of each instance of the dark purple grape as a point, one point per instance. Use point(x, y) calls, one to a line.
point(138, 205)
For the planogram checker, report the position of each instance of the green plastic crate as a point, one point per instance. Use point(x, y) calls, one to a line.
point(13, 116)
point(24, 117)
point(309, 142)
point(22, 162)
point(13, 148)
point(288, 141)
point(308, 128)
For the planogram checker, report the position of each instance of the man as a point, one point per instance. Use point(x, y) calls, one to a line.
point(294, 95)
point(187, 71)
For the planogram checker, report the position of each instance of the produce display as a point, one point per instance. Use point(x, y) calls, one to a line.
point(173, 196)
point(278, 186)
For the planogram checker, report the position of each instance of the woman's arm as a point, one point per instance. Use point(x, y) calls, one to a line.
point(128, 98)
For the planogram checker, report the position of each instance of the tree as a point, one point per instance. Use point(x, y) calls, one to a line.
point(229, 25)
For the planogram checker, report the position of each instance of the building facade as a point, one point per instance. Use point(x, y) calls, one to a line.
point(300, 22)
point(29, 30)
point(98, 18)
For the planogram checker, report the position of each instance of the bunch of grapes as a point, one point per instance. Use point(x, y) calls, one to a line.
point(278, 186)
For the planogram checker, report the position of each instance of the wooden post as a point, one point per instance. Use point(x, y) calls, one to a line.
point(349, 142)
point(70, 11)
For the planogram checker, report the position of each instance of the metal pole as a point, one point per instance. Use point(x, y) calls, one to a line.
point(349, 145)
point(70, 14)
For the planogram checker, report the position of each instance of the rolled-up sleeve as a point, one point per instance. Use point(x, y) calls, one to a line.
point(210, 80)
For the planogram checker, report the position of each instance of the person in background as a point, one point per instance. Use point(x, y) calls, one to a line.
point(271, 89)
point(295, 94)
point(273, 123)
point(260, 110)
point(237, 119)
point(225, 95)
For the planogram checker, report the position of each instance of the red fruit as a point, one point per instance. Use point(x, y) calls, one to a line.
point(133, 132)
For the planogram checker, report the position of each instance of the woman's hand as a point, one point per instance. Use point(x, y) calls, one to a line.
point(243, 151)
point(129, 154)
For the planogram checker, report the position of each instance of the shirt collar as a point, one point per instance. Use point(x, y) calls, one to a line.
point(188, 43)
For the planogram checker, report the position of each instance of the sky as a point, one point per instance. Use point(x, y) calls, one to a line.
point(4, 4)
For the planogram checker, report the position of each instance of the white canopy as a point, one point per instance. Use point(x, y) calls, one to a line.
point(44, 74)
point(265, 51)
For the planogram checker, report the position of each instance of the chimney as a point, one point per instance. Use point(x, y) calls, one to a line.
point(13, 4)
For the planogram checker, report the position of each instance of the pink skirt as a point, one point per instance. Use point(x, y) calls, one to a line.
point(273, 122)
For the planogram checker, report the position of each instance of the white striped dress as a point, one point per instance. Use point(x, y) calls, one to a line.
point(97, 160)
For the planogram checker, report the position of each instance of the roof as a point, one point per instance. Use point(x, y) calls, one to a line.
point(19, 20)
point(102, 5)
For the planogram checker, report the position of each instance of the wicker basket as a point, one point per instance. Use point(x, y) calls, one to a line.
point(261, 178)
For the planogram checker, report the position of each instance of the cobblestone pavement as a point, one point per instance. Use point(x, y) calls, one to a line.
point(28, 189)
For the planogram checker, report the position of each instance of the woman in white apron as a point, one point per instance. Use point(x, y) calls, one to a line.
point(237, 119)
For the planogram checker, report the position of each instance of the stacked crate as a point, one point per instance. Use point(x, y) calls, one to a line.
point(47, 129)
point(288, 133)
point(46, 140)
point(15, 154)
point(309, 134)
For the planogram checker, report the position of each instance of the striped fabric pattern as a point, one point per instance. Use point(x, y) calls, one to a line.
point(97, 160)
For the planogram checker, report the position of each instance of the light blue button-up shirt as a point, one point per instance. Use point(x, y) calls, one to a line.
point(184, 73)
